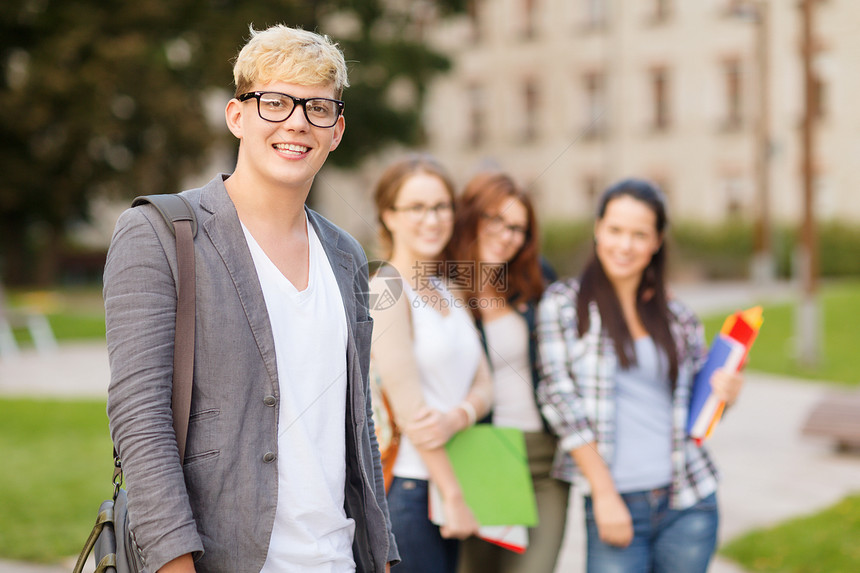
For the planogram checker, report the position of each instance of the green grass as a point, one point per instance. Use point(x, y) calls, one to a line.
point(74, 314)
point(57, 468)
point(56, 458)
point(826, 542)
point(774, 349)
point(829, 541)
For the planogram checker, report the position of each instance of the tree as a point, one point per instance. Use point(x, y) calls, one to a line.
point(108, 98)
point(90, 104)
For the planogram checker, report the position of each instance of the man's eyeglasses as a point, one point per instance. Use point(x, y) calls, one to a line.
point(497, 225)
point(418, 212)
point(277, 107)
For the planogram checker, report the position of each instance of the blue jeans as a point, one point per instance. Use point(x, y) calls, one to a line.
point(422, 548)
point(664, 540)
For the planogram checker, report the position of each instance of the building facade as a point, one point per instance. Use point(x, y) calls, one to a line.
point(570, 95)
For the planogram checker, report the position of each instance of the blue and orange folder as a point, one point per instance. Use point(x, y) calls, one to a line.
point(728, 350)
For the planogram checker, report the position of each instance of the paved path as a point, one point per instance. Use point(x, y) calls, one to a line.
point(770, 471)
point(74, 370)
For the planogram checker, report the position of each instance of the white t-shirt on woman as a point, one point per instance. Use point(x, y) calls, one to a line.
point(448, 352)
point(513, 390)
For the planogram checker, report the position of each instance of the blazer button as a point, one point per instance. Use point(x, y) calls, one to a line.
point(269, 457)
point(270, 400)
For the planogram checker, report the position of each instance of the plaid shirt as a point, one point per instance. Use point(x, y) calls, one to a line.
point(577, 390)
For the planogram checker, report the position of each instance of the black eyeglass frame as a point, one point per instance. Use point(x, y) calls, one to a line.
point(420, 211)
point(497, 221)
point(297, 101)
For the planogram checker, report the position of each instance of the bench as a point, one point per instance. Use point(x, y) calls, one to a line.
point(34, 321)
point(837, 417)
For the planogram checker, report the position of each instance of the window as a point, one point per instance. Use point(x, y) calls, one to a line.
point(595, 14)
point(819, 97)
point(660, 178)
point(477, 105)
point(592, 187)
point(531, 101)
point(661, 10)
point(660, 114)
point(733, 86)
point(529, 19)
point(473, 10)
point(731, 8)
point(594, 91)
point(733, 189)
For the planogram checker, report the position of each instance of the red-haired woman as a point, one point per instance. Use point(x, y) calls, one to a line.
point(494, 258)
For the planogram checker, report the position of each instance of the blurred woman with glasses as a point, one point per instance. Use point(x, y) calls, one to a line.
point(428, 360)
point(494, 259)
point(618, 357)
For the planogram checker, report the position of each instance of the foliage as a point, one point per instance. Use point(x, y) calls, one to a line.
point(89, 103)
point(566, 246)
point(56, 470)
point(714, 252)
point(722, 251)
point(825, 542)
point(838, 245)
point(101, 98)
point(774, 349)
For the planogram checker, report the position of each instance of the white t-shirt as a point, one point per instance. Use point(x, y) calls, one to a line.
point(312, 533)
point(448, 352)
point(513, 390)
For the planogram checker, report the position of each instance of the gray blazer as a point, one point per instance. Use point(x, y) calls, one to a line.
point(221, 504)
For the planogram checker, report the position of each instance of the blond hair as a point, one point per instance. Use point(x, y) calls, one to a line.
point(293, 55)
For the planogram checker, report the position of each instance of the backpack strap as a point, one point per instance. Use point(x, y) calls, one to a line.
point(172, 207)
point(180, 218)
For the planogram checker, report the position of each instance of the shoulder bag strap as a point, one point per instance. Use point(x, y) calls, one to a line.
point(181, 220)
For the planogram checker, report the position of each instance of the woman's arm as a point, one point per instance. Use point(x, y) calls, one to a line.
point(460, 522)
point(614, 524)
point(558, 391)
point(393, 356)
point(432, 428)
point(394, 361)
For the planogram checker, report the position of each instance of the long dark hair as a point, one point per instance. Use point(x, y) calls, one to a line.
point(484, 192)
point(651, 301)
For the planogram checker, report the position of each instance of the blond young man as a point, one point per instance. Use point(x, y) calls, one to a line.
point(281, 469)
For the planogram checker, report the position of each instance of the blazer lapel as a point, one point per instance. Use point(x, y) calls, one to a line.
point(341, 263)
point(225, 232)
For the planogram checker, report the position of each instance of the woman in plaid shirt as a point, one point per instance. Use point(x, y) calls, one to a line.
point(617, 359)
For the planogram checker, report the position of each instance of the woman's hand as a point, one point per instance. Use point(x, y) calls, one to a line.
point(726, 385)
point(460, 522)
point(432, 429)
point(614, 524)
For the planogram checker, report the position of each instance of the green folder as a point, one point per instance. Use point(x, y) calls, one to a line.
point(493, 471)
